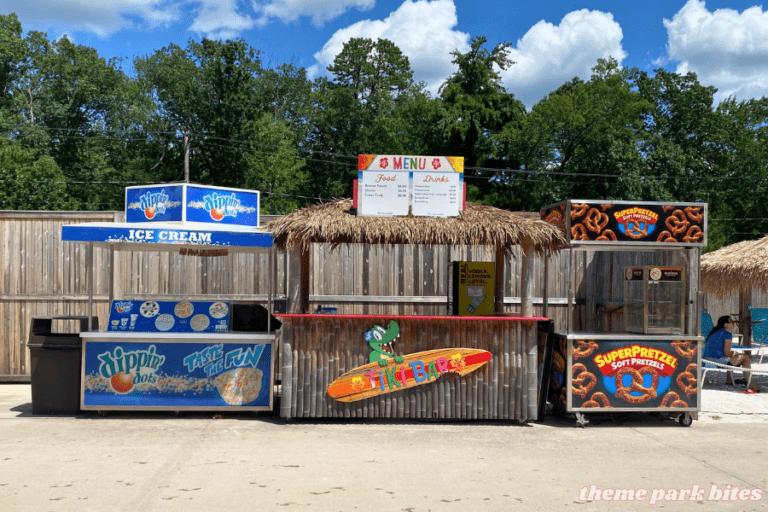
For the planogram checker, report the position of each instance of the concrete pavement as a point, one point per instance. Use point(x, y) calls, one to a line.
point(161, 462)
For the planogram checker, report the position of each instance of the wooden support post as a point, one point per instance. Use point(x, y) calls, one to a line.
point(526, 278)
point(745, 316)
point(296, 283)
point(498, 288)
point(304, 299)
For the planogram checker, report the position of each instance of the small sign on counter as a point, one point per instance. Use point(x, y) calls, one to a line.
point(168, 316)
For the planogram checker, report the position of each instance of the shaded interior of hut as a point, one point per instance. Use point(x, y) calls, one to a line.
point(634, 291)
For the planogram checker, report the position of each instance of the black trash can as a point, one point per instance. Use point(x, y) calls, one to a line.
point(55, 365)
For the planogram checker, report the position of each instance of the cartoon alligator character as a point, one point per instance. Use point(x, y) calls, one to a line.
point(380, 340)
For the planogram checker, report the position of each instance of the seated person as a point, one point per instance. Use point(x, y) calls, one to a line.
point(717, 348)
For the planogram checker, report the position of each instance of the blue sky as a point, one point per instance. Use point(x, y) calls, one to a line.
point(725, 42)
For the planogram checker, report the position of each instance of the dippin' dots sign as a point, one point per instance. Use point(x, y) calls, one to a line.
point(153, 203)
point(220, 206)
point(126, 369)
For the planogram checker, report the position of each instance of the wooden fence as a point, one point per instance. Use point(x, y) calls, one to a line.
point(44, 276)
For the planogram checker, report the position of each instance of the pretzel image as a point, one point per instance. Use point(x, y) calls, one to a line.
point(606, 206)
point(554, 217)
point(666, 236)
point(684, 349)
point(676, 402)
point(607, 236)
point(694, 213)
point(667, 208)
point(595, 220)
point(578, 232)
point(592, 402)
point(578, 380)
point(677, 222)
point(577, 210)
point(634, 230)
point(584, 349)
point(637, 384)
point(689, 387)
point(695, 234)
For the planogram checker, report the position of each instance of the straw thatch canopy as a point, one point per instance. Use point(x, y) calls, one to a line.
point(336, 223)
point(736, 267)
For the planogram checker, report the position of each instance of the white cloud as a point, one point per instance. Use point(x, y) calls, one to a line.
point(724, 48)
point(97, 16)
point(422, 29)
point(547, 56)
point(319, 10)
point(220, 19)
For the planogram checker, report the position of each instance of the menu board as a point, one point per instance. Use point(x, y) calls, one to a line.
point(384, 194)
point(168, 316)
point(436, 194)
point(393, 193)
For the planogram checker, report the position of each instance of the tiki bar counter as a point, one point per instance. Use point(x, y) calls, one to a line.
point(481, 365)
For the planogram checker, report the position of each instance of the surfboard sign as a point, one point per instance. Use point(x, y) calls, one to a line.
point(414, 370)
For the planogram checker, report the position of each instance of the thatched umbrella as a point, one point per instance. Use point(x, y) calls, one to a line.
point(336, 223)
point(738, 267)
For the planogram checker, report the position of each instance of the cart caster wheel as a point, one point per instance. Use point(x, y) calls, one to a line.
point(685, 419)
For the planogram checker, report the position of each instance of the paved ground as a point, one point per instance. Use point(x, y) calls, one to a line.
point(160, 462)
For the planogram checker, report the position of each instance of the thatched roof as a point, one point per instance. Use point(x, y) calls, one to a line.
point(336, 223)
point(740, 266)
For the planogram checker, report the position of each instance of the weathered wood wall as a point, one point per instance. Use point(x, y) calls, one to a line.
point(43, 276)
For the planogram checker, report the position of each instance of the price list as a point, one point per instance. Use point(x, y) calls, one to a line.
point(383, 194)
point(436, 194)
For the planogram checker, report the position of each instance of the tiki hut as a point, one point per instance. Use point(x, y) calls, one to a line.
point(336, 223)
point(739, 267)
point(736, 267)
point(319, 352)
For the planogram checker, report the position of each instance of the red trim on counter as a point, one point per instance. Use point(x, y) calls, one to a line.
point(475, 318)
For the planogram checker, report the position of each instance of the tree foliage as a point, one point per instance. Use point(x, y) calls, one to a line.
point(77, 128)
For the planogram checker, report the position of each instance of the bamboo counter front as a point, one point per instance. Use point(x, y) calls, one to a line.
point(377, 366)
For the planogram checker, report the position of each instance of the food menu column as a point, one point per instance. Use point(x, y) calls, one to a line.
point(175, 356)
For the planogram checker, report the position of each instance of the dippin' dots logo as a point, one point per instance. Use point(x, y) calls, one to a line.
point(153, 203)
point(221, 206)
point(126, 369)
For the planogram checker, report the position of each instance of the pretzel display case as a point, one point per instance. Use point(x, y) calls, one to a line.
point(631, 340)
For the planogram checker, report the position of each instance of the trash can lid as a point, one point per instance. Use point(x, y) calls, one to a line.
point(54, 341)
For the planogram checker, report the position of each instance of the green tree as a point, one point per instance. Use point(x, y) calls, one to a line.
point(31, 183)
point(574, 141)
point(372, 106)
point(274, 166)
point(371, 68)
point(475, 108)
point(209, 91)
